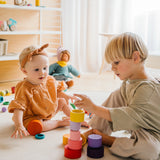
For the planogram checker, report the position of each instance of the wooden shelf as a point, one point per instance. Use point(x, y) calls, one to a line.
point(28, 32)
point(11, 57)
point(7, 6)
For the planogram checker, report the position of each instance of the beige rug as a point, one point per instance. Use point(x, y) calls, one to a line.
point(50, 148)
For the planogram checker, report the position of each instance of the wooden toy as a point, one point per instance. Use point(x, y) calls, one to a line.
point(20, 2)
point(12, 24)
point(13, 90)
point(40, 136)
point(75, 142)
point(95, 148)
point(1, 99)
point(6, 103)
point(34, 127)
point(3, 26)
point(3, 2)
point(4, 109)
point(2, 93)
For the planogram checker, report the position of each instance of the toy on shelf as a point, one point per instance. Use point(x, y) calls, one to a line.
point(37, 3)
point(8, 25)
point(20, 2)
point(12, 24)
point(4, 26)
point(95, 148)
point(73, 149)
point(61, 69)
point(3, 2)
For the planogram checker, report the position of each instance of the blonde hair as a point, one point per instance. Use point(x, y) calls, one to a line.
point(29, 52)
point(123, 45)
point(25, 52)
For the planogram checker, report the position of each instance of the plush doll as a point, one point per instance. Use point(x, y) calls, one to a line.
point(61, 69)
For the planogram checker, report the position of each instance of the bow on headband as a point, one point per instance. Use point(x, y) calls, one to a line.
point(35, 52)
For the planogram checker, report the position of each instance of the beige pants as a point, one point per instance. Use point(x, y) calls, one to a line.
point(141, 145)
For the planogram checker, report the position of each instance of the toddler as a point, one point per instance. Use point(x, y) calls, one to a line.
point(36, 99)
point(134, 107)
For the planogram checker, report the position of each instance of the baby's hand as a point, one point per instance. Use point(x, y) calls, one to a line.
point(66, 97)
point(20, 130)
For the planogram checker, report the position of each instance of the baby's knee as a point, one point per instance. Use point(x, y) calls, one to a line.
point(61, 103)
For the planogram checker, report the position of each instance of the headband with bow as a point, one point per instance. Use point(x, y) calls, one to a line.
point(35, 52)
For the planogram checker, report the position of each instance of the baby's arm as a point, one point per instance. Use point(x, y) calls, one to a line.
point(66, 96)
point(18, 121)
point(86, 103)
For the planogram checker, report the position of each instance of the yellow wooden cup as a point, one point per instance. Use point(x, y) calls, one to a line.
point(77, 115)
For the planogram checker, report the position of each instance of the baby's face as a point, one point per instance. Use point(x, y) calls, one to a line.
point(37, 69)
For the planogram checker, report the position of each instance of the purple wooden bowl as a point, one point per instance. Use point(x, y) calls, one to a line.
point(94, 140)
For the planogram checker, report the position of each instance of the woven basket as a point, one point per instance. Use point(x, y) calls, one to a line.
point(3, 47)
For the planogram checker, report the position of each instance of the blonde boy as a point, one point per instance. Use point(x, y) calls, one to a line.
point(134, 107)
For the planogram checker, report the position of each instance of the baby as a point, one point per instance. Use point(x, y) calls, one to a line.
point(38, 97)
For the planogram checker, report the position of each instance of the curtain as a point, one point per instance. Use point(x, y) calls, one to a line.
point(80, 33)
point(83, 21)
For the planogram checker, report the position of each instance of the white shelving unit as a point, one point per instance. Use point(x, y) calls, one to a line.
point(38, 34)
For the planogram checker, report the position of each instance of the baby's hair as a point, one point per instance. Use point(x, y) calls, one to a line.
point(123, 45)
point(29, 52)
point(25, 52)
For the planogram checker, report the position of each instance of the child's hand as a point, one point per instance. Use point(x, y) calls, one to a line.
point(85, 102)
point(66, 97)
point(20, 130)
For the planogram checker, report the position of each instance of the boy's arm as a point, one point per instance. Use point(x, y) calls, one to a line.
point(85, 102)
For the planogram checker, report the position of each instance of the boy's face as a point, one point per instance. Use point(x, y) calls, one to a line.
point(37, 69)
point(124, 68)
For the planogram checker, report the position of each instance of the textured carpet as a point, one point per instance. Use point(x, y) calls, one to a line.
point(50, 148)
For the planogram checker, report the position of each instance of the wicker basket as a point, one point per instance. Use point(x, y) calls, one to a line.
point(3, 47)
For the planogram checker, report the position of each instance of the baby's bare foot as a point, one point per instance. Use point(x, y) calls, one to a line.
point(62, 123)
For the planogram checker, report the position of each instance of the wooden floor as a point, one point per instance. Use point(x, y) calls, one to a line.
point(87, 82)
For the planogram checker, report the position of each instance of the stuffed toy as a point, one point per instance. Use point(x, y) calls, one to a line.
point(4, 26)
point(61, 69)
point(20, 2)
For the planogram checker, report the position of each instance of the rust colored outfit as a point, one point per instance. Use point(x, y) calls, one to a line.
point(37, 101)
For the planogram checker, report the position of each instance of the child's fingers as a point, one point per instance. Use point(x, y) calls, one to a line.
point(81, 96)
point(95, 131)
point(13, 134)
point(25, 132)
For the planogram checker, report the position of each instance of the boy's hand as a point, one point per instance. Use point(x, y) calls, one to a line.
point(20, 130)
point(85, 102)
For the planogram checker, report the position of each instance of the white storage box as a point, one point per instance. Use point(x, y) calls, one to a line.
point(3, 46)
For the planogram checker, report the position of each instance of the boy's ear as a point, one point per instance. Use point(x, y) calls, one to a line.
point(23, 70)
point(136, 57)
